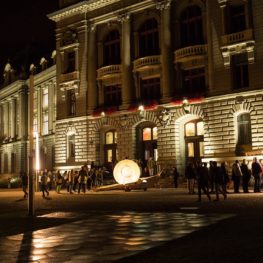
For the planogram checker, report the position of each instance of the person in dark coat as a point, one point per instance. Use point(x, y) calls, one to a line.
point(246, 175)
point(24, 179)
point(211, 177)
point(256, 171)
point(190, 176)
point(225, 175)
point(175, 177)
point(202, 181)
point(236, 175)
point(219, 182)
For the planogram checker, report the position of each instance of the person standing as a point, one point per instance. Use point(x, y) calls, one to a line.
point(44, 185)
point(59, 181)
point(24, 179)
point(70, 181)
point(256, 171)
point(211, 177)
point(175, 177)
point(190, 176)
point(82, 179)
point(219, 182)
point(202, 181)
point(246, 175)
point(236, 175)
point(150, 166)
point(225, 175)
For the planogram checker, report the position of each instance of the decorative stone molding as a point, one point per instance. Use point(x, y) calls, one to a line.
point(164, 116)
point(222, 3)
point(163, 4)
point(70, 37)
point(123, 17)
point(82, 7)
point(241, 105)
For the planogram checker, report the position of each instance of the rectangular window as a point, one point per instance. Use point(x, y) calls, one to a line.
point(150, 89)
point(235, 18)
point(112, 95)
point(45, 123)
point(71, 97)
point(146, 134)
point(45, 98)
point(35, 100)
point(35, 123)
point(71, 146)
point(191, 150)
point(244, 129)
point(70, 58)
point(194, 82)
point(240, 74)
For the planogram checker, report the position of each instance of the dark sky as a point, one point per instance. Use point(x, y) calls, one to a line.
point(26, 32)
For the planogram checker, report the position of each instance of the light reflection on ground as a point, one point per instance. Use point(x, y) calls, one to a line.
point(101, 237)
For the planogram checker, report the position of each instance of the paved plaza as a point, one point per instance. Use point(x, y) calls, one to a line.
point(160, 225)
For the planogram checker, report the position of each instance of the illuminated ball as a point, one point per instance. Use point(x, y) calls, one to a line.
point(126, 171)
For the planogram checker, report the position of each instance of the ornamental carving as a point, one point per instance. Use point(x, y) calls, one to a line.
point(70, 37)
point(164, 117)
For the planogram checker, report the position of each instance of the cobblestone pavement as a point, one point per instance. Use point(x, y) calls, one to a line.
point(101, 237)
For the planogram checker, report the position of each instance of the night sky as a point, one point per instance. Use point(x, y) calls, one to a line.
point(26, 32)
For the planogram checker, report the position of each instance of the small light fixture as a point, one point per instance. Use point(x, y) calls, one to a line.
point(186, 106)
point(102, 114)
point(141, 111)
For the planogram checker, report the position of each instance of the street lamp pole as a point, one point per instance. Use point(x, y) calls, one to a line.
point(31, 185)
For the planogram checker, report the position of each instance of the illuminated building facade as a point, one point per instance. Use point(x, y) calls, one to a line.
point(116, 55)
point(193, 67)
point(14, 119)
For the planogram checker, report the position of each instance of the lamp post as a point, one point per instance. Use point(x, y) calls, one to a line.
point(31, 184)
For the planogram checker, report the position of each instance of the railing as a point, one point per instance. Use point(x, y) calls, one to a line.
point(69, 76)
point(237, 37)
point(146, 61)
point(108, 70)
point(188, 52)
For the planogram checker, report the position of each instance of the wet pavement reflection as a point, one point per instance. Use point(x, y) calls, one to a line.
point(101, 237)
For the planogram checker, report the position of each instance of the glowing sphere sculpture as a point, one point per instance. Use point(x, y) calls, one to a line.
point(126, 171)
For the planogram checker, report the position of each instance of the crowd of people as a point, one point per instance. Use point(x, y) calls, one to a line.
point(215, 179)
point(209, 179)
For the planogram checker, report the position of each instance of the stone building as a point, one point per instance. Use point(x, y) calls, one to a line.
point(14, 118)
point(193, 67)
point(175, 80)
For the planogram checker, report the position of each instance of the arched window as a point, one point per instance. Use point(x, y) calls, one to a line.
point(149, 39)
point(244, 129)
point(111, 48)
point(194, 138)
point(71, 146)
point(191, 26)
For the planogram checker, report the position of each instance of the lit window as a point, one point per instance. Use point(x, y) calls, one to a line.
point(155, 133)
point(109, 155)
point(190, 129)
point(109, 138)
point(201, 148)
point(45, 98)
point(190, 146)
point(200, 128)
point(35, 100)
point(45, 123)
point(146, 134)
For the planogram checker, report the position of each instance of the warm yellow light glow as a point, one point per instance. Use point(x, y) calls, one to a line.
point(185, 101)
point(141, 108)
point(102, 114)
point(37, 152)
point(126, 171)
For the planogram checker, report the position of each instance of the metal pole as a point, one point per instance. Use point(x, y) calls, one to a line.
point(31, 185)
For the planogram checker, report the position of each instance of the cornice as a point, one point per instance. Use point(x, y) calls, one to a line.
point(11, 89)
point(44, 76)
point(82, 7)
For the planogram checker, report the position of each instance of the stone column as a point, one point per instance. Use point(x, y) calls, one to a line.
point(12, 106)
point(50, 106)
point(6, 119)
point(222, 4)
point(166, 53)
point(126, 60)
point(39, 110)
point(92, 70)
point(23, 114)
